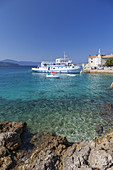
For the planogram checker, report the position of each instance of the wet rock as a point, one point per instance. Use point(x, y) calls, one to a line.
point(99, 129)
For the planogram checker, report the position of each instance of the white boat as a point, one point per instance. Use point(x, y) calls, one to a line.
point(61, 65)
point(52, 76)
point(71, 75)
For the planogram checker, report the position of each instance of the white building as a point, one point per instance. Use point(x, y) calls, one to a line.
point(97, 61)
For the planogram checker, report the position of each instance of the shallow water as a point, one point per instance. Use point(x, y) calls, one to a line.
point(69, 106)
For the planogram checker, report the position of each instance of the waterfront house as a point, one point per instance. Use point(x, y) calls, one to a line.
point(97, 61)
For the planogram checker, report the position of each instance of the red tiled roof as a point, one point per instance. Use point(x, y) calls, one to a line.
point(107, 56)
point(92, 56)
point(103, 56)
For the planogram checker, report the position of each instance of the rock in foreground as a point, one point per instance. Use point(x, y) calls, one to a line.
point(10, 140)
point(53, 152)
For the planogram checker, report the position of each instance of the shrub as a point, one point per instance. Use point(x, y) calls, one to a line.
point(109, 62)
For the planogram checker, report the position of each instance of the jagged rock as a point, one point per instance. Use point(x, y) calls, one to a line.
point(53, 152)
point(10, 134)
point(5, 163)
point(40, 138)
point(46, 155)
point(45, 160)
point(17, 127)
point(10, 140)
point(78, 157)
point(3, 151)
point(100, 159)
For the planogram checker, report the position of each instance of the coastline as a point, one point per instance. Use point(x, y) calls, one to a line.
point(43, 151)
point(105, 70)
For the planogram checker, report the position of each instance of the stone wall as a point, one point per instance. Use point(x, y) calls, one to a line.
point(105, 70)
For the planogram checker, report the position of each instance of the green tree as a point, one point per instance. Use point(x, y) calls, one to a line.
point(109, 62)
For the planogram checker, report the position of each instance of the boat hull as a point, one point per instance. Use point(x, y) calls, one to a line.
point(71, 71)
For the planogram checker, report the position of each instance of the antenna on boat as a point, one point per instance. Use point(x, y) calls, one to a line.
point(64, 56)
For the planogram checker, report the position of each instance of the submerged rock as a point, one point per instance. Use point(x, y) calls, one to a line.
point(109, 106)
point(99, 129)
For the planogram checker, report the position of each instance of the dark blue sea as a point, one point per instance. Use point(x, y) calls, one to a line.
point(71, 106)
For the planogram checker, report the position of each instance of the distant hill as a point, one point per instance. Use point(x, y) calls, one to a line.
point(9, 64)
point(22, 63)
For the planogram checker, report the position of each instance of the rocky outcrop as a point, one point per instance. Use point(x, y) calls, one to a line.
point(10, 140)
point(47, 154)
point(57, 154)
point(52, 152)
point(17, 127)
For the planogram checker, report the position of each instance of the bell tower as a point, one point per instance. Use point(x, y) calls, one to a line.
point(99, 58)
point(100, 52)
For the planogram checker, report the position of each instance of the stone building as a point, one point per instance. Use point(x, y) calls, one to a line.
point(96, 61)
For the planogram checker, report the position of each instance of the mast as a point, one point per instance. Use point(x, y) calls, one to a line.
point(64, 56)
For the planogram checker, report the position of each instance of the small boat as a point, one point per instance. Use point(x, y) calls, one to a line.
point(52, 76)
point(71, 75)
point(61, 65)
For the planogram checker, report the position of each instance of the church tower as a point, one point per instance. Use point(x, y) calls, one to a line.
point(100, 52)
point(99, 58)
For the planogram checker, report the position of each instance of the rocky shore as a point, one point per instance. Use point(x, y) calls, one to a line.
point(20, 151)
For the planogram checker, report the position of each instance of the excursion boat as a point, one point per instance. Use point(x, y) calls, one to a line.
point(61, 65)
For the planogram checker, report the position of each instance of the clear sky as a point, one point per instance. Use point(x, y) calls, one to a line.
point(36, 30)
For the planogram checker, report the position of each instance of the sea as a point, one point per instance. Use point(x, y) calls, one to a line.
point(79, 107)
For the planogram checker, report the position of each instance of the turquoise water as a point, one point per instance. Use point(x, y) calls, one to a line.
point(68, 106)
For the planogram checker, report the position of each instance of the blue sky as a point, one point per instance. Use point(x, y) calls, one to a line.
point(39, 30)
